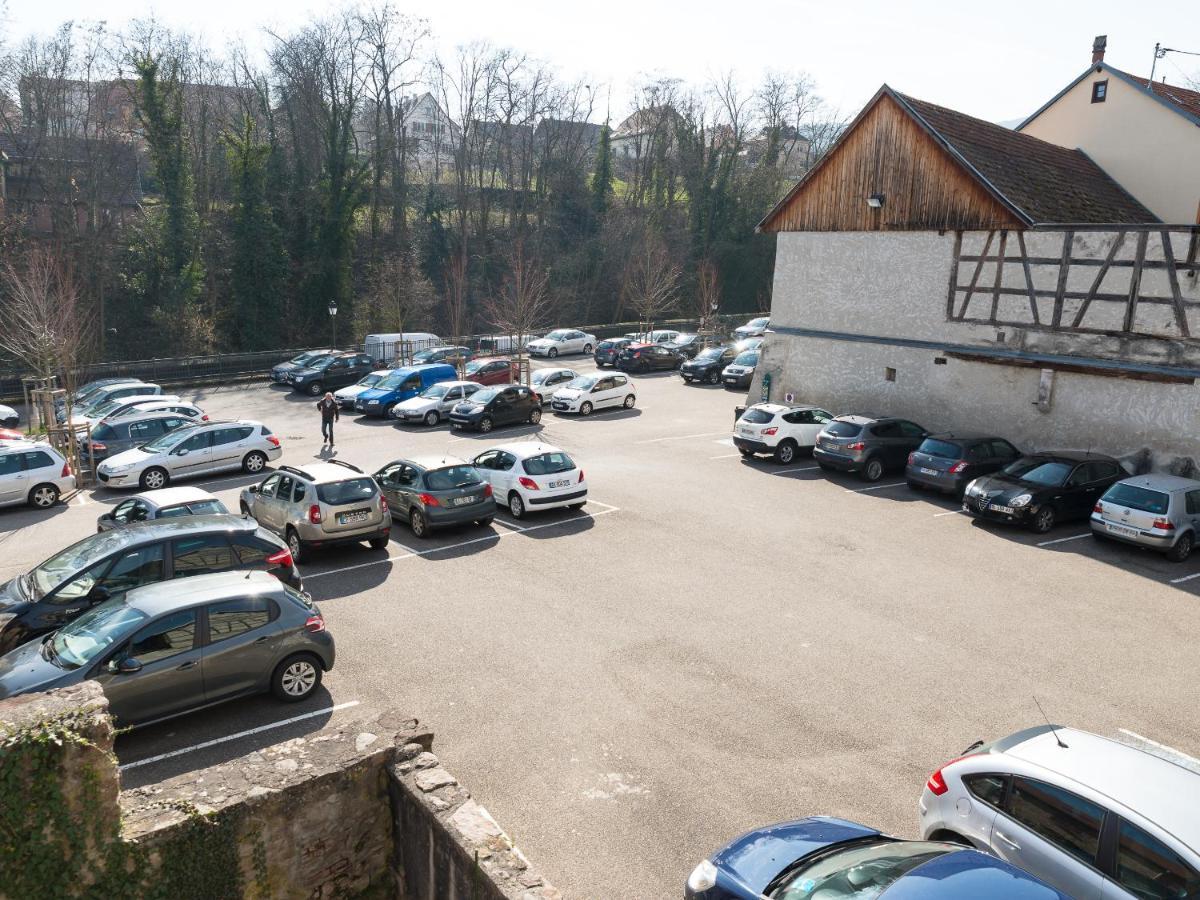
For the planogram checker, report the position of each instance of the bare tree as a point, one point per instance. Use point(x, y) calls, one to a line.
point(456, 295)
point(524, 302)
point(651, 282)
point(708, 296)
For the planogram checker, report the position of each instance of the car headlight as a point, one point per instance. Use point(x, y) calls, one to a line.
point(112, 470)
point(1020, 501)
point(703, 877)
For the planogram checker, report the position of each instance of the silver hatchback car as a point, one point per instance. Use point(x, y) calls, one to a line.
point(1091, 816)
point(320, 505)
point(191, 451)
point(1161, 512)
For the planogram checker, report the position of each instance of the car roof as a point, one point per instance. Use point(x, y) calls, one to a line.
point(434, 462)
point(968, 873)
point(23, 444)
point(965, 436)
point(172, 496)
point(857, 420)
point(1158, 789)
point(181, 593)
point(1074, 455)
point(324, 472)
point(526, 449)
point(1162, 482)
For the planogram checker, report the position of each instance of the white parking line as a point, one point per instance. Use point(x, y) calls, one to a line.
point(725, 456)
point(1190, 761)
point(233, 737)
point(681, 437)
point(1185, 578)
point(953, 512)
point(874, 487)
point(801, 469)
point(1074, 537)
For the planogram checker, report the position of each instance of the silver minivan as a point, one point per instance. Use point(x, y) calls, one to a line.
point(34, 473)
point(1161, 512)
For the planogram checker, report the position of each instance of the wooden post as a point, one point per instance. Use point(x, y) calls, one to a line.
point(1064, 268)
point(999, 276)
point(1033, 308)
point(1173, 277)
point(1091, 294)
point(953, 275)
point(962, 310)
point(1135, 281)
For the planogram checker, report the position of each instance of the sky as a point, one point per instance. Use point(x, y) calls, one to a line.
point(997, 62)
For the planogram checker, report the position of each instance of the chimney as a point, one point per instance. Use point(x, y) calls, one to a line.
point(1098, 46)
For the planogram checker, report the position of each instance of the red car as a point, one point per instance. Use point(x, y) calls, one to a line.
point(490, 371)
point(9, 434)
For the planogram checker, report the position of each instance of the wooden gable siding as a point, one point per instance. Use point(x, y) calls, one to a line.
point(887, 152)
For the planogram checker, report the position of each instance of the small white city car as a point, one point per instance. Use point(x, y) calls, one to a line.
point(527, 477)
point(562, 340)
point(546, 381)
point(190, 451)
point(433, 404)
point(591, 392)
point(34, 473)
point(782, 431)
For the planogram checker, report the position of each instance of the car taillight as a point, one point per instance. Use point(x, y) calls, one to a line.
point(204, 418)
point(487, 491)
point(1098, 508)
point(98, 447)
point(383, 506)
point(314, 514)
point(1163, 525)
point(528, 483)
point(314, 623)
point(66, 472)
point(428, 499)
point(910, 458)
point(581, 475)
point(857, 445)
point(936, 784)
point(770, 431)
point(281, 558)
point(272, 440)
point(958, 467)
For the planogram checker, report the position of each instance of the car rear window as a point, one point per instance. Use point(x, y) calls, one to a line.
point(1138, 498)
point(354, 490)
point(103, 432)
point(212, 507)
point(606, 345)
point(451, 477)
point(757, 416)
point(843, 429)
point(749, 358)
point(549, 463)
point(943, 449)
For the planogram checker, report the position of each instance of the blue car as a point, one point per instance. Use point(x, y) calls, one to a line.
point(400, 385)
point(821, 858)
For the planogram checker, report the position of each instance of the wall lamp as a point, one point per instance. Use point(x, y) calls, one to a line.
point(875, 201)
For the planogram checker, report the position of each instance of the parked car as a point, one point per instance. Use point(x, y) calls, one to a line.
point(279, 374)
point(1091, 816)
point(707, 365)
point(867, 445)
point(104, 566)
point(658, 336)
point(562, 340)
point(688, 344)
point(436, 492)
point(167, 503)
point(591, 392)
point(166, 649)
point(9, 434)
point(607, 351)
point(330, 372)
point(113, 408)
point(84, 394)
point(1161, 512)
point(178, 407)
point(396, 346)
point(323, 504)
point(490, 371)
point(528, 477)
point(435, 402)
point(739, 373)
point(111, 392)
point(503, 404)
point(8, 417)
point(33, 472)
point(347, 395)
point(400, 385)
point(118, 435)
point(750, 343)
point(754, 328)
point(1043, 489)
point(454, 356)
point(781, 431)
point(949, 462)
point(822, 858)
point(546, 381)
point(648, 358)
point(196, 449)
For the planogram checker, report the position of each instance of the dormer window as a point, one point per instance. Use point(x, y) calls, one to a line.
point(1099, 91)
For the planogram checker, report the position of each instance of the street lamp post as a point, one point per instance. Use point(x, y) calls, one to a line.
point(333, 319)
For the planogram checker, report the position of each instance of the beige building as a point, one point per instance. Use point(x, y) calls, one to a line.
point(1145, 136)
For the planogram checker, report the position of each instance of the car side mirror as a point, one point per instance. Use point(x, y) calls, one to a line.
point(127, 666)
point(107, 517)
point(182, 451)
point(98, 594)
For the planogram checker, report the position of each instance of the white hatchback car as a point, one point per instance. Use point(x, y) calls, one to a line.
point(782, 431)
point(562, 340)
point(434, 403)
point(591, 392)
point(178, 407)
point(1091, 816)
point(190, 451)
point(546, 381)
point(527, 477)
point(34, 473)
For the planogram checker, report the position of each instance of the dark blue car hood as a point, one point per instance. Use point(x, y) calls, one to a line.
point(969, 874)
point(757, 858)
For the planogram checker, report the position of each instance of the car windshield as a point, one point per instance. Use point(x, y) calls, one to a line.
point(212, 507)
point(860, 872)
point(129, 411)
point(473, 367)
point(606, 345)
point(484, 395)
point(757, 416)
point(355, 490)
point(323, 363)
point(369, 380)
point(451, 477)
point(942, 449)
point(435, 391)
point(105, 408)
point(709, 354)
point(759, 323)
point(167, 440)
point(75, 558)
point(1138, 498)
point(79, 642)
point(424, 356)
point(749, 358)
point(559, 335)
point(301, 359)
point(843, 429)
point(392, 381)
point(1049, 472)
point(549, 463)
point(582, 383)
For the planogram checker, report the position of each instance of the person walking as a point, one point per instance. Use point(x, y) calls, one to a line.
point(329, 414)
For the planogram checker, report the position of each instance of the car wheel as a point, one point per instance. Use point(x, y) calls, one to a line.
point(1182, 549)
point(552, 352)
point(873, 470)
point(913, 486)
point(629, 401)
point(714, 377)
point(643, 366)
point(154, 478)
point(316, 388)
point(432, 417)
point(1043, 519)
point(254, 462)
point(43, 496)
point(585, 408)
point(785, 453)
point(245, 510)
point(516, 506)
point(295, 545)
point(485, 424)
point(535, 415)
point(379, 543)
point(824, 467)
point(296, 678)
point(418, 524)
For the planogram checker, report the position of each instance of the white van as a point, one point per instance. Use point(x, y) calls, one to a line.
point(398, 346)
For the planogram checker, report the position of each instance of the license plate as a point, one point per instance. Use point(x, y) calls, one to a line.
point(462, 501)
point(558, 484)
point(746, 431)
point(351, 517)
point(730, 380)
point(1122, 530)
point(995, 507)
point(925, 471)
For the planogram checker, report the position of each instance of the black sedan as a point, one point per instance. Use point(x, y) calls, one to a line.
point(1043, 489)
point(330, 372)
point(708, 365)
point(639, 357)
point(280, 373)
point(607, 351)
point(949, 462)
point(502, 404)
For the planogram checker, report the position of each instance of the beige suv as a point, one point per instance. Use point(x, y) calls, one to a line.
point(320, 505)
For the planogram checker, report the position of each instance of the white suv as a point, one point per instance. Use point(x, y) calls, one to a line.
point(779, 430)
point(190, 451)
point(33, 473)
point(591, 392)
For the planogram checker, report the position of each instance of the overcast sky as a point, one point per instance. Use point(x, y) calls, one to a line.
point(995, 61)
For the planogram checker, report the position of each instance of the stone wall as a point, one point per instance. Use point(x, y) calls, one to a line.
point(361, 808)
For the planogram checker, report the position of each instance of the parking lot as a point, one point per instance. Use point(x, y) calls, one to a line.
point(711, 645)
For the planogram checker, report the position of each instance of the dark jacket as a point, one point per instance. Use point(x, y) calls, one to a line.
point(328, 408)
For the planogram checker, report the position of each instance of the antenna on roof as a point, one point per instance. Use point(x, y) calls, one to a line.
point(1057, 739)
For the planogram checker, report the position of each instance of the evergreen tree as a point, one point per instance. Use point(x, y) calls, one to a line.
point(602, 175)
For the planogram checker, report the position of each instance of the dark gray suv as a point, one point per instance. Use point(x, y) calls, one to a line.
point(866, 445)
